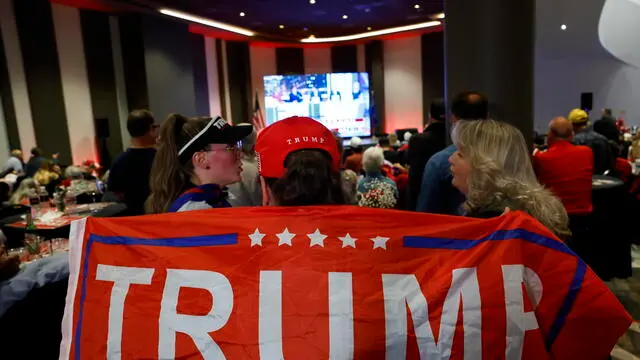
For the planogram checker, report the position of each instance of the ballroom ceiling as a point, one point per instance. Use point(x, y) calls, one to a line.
point(296, 19)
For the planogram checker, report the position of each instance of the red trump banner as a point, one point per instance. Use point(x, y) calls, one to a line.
point(333, 282)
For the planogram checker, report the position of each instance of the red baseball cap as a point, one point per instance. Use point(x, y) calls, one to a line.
point(280, 139)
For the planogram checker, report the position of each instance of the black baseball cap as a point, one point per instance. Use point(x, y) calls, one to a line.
point(217, 131)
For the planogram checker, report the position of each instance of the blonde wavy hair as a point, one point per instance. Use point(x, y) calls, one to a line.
point(502, 175)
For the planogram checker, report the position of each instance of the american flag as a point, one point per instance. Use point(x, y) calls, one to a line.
point(258, 120)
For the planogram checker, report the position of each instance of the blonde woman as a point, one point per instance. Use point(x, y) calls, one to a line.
point(492, 167)
point(21, 195)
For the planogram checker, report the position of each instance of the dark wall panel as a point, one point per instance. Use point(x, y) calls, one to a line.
point(42, 71)
point(344, 58)
point(200, 74)
point(96, 36)
point(432, 69)
point(374, 62)
point(6, 101)
point(289, 61)
point(169, 67)
point(239, 71)
point(135, 74)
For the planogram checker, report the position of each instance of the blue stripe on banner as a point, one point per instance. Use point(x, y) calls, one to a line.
point(515, 234)
point(194, 241)
point(565, 309)
point(500, 235)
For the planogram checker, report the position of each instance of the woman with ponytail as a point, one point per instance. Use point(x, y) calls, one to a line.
point(299, 164)
point(196, 158)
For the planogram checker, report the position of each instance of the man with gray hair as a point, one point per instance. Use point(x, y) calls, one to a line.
point(247, 192)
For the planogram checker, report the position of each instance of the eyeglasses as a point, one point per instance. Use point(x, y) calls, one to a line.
point(230, 147)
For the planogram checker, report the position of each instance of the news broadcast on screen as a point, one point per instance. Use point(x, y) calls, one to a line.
point(340, 101)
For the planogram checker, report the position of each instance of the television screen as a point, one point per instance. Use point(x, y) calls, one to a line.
point(340, 101)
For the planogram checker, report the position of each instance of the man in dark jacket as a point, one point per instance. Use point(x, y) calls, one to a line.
point(34, 163)
point(603, 157)
point(423, 146)
point(606, 126)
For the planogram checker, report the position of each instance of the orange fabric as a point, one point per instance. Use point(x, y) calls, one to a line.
point(354, 162)
point(567, 170)
point(570, 313)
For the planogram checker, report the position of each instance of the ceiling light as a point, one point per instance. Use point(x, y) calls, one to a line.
point(242, 14)
point(416, 6)
point(563, 27)
point(281, 26)
point(367, 10)
point(313, 39)
point(438, 16)
point(312, 2)
point(345, 17)
point(368, 28)
point(207, 22)
point(312, 36)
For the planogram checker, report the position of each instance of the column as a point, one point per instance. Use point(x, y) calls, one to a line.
point(489, 47)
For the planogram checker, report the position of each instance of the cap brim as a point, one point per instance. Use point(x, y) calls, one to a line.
point(228, 135)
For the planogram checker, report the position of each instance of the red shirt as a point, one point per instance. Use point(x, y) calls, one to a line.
point(567, 171)
point(354, 162)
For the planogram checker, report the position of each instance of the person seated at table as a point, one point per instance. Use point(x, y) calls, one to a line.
point(376, 190)
point(566, 169)
point(492, 168)
point(129, 174)
point(21, 195)
point(48, 176)
point(14, 163)
point(299, 173)
point(75, 176)
point(33, 165)
point(196, 158)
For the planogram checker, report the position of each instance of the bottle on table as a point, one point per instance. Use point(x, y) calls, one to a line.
point(34, 202)
point(44, 195)
point(31, 240)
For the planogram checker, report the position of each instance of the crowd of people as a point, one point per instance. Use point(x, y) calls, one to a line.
point(187, 164)
point(203, 162)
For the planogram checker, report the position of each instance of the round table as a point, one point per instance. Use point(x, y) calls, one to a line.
point(603, 242)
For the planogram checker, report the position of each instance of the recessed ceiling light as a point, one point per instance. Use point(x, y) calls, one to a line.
point(345, 17)
point(312, 2)
point(313, 39)
point(367, 10)
point(281, 26)
point(416, 6)
point(242, 14)
point(368, 28)
point(438, 16)
point(305, 29)
point(563, 27)
point(207, 22)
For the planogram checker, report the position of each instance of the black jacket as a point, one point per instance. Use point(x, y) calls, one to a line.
point(607, 127)
point(421, 148)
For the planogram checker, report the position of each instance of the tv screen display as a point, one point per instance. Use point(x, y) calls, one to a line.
point(340, 101)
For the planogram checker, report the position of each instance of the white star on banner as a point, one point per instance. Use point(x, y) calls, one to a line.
point(285, 237)
point(256, 238)
point(317, 238)
point(348, 241)
point(380, 242)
